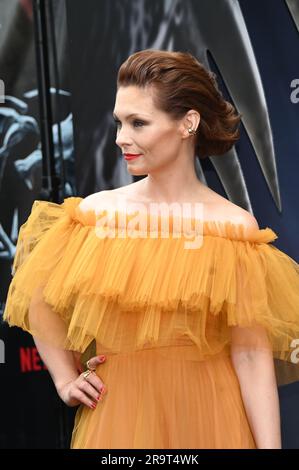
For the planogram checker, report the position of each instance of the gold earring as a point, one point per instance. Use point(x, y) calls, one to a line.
point(191, 131)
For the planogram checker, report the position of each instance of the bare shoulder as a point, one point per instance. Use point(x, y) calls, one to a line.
point(216, 207)
point(107, 197)
point(236, 214)
point(219, 208)
point(248, 220)
point(91, 202)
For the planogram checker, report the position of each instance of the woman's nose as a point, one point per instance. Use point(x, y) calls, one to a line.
point(122, 138)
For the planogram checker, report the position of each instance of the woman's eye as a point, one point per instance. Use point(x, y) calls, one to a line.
point(138, 123)
point(135, 123)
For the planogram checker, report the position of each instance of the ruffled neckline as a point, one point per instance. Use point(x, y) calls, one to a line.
point(224, 229)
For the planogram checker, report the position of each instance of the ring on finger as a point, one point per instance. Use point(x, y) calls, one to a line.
point(89, 366)
point(86, 374)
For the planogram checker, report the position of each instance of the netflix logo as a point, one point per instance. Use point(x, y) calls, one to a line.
point(30, 360)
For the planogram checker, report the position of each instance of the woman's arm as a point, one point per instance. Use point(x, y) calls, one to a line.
point(71, 386)
point(253, 362)
point(60, 363)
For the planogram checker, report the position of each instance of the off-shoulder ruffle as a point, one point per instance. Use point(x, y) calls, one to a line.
point(72, 284)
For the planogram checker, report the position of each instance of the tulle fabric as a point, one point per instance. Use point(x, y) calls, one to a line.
point(133, 293)
point(156, 402)
point(162, 312)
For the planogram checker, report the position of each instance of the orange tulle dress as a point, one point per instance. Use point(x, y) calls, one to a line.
point(163, 314)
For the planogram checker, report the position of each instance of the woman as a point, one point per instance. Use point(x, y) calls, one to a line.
point(188, 330)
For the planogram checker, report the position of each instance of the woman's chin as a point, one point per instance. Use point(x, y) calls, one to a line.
point(136, 171)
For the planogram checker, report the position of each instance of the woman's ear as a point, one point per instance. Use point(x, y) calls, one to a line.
point(191, 121)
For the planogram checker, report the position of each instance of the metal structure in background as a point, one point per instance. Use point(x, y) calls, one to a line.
point(51, 181)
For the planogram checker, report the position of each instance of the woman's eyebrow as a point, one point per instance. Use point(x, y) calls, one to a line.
point(128, 116)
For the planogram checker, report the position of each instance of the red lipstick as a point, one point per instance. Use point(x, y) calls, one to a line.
point(131, 156)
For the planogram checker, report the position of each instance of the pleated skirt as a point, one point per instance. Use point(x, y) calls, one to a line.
point(160, 399)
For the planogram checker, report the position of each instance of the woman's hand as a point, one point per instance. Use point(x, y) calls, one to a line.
point(87, 391)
